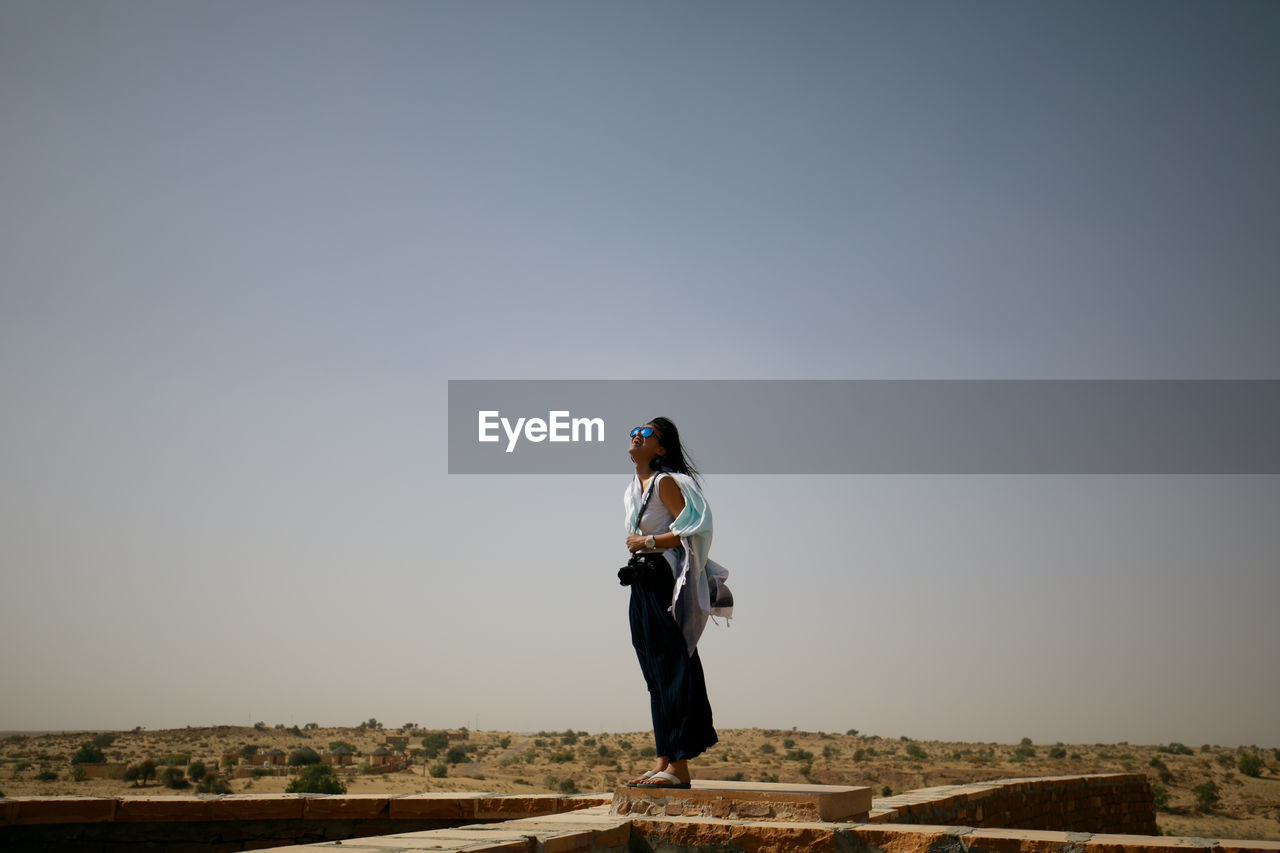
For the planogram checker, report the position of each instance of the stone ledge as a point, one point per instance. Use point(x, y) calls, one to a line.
point(761, 801)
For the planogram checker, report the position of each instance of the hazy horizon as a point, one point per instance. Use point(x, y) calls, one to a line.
point(244, 247)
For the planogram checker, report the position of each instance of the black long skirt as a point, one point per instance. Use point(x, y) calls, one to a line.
point(677, 689)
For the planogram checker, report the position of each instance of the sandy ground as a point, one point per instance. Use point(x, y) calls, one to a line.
point(513, 762)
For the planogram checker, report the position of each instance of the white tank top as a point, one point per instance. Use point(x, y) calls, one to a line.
point(656, 518)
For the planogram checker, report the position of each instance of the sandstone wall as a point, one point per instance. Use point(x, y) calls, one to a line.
point(1101, 803)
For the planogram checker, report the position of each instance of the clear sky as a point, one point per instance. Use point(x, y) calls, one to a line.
point(243, 247)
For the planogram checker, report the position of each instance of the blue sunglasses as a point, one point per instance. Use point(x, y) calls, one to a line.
point(643, 432)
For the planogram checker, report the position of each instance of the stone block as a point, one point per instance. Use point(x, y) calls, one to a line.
point(45, 810)
point(682, 832)
point(760, 801)
point(438, 805)
point(156, 809)
point(344, 806)
point(494, 807)
point(781, 837)
point(257, 807)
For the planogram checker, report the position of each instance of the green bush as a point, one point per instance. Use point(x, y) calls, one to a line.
point(648, 752)
point(859, 755)
point(172, 777)
point(736, 777)
point(88, 754)
point(569, 738)
point(456, 755)
point(852, 732)
point(560, 757)
point(77, 772)
point(249, 750)
point(434, 743)
point(177, 759)
point(1250, 764)
point(439, 771)
point(568, 786)
point(104, 740)
point(829, 752)
point(1057, 752)
point(1024, 751)
point(316, 779)
point(1160, 797)
point(914, 751)
point(1026, 741)
point(1176, 748)
point(213, 784)
point(504, 742)
point(304, 756)
point(19, 766)
point(788, 743)
point(1207, 795)
point(196, 771)
point(768, 748)
point(798, 755)
point(625, 746)
point(886, 791)
point(46, 776)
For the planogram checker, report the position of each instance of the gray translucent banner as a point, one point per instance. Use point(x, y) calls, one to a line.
point(873, 427)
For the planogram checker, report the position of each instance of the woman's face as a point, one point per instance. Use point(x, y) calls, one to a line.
point(644, 448)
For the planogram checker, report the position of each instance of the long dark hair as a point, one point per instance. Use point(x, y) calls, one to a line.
point(676, 458)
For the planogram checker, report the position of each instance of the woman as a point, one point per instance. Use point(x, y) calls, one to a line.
point(674, 588)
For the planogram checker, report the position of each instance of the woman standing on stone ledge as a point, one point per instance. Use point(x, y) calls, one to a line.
point(674, 589)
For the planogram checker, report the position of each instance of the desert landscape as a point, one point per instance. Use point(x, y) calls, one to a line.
point(1209, 790)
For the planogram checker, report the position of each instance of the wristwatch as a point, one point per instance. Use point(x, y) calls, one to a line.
point(650, 544)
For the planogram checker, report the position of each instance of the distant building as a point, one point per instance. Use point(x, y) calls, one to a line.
point(380, 756)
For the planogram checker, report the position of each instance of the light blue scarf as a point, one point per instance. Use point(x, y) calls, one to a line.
point(696, 576)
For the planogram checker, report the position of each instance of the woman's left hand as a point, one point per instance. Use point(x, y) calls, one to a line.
point(635, 543)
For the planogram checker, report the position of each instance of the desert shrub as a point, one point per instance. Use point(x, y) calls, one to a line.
point(1250, 764)
point(852, 732)
point(770, 777)
point(1026, 741)
point(859, 755)
point(104, 740)
point(316, 779)
point(588, 741)
point(1175, 748)
point(177, 759)
point(371, 724)
point(788, 743)
point(871, 751)
point(798, 755)
point(456, 755)
point(88, 754)
point(1075, 756)
point(504, 742)
point(569, 738)
point(1207, 795)
point(146, 770)
point(19, 766)
point(768, 748)
point(1160, 797)
point(602, 751)
point(568, 786)
point(77, 772)
point(1057, 752)
point(213, 784)
point(248, 750)
point(886, 791)
point(311, 726)
point(304, 756)
point(196, 770)
point(561, 757)
point(736, 777)
point(1024, 751)
point(1226, 760)
point(648, 752)
point(295, 731)
point(916, 752)
point(625, 746)
point(258, 772)
point(539, 742)
point(434, 743)
point(172, 777)
point(438, 771)
point(260, 726)
point(829, 751)
point(46, 775)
